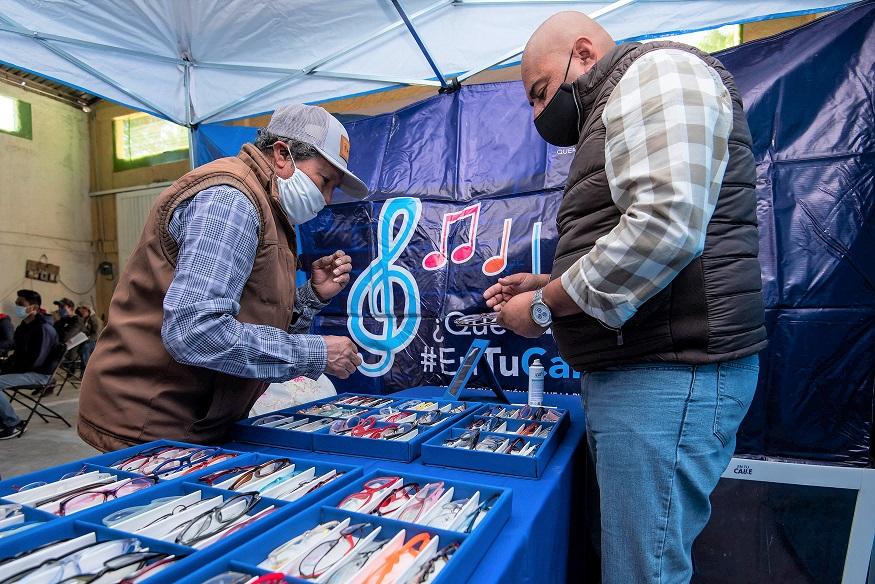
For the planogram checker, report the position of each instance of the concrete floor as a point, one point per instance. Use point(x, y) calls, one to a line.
point(46, 444)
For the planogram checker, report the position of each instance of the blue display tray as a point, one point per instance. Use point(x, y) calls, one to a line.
point(91, 519)
point(322, 441)
point(472, 546)
point(70, 528)
point(434, 453)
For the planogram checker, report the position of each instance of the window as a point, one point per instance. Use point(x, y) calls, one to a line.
point(143, 140)
point(15, 117)
point(710, 41)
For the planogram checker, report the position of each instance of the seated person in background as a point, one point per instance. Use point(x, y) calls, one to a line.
point(34, 360)
point(91, 326)
point(69, 323)
point(6, 332)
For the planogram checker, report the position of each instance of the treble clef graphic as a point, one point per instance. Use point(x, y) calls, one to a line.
point(374, 290)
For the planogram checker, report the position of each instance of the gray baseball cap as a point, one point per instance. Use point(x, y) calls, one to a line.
point(315, 126)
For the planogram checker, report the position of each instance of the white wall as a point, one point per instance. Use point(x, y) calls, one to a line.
point(44, 206)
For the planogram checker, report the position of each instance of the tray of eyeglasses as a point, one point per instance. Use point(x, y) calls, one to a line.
point(361, 425)
point(76, 551)
point(386, 527)
point(504, 439)
point(202, 513)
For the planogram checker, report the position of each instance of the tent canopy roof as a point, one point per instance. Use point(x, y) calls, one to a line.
point(215, 60)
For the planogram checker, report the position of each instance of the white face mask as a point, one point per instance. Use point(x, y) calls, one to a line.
point(300, 197)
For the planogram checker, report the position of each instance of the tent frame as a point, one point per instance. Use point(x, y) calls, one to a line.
point(441, 81)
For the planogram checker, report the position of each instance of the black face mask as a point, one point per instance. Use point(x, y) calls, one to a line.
point(558, 122)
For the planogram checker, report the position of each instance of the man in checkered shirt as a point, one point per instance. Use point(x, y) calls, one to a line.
point(655, 293)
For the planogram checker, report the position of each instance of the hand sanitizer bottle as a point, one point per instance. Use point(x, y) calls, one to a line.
point(536, 383)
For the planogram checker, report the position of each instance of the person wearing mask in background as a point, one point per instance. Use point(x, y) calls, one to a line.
point(91, 326)
point(6, 332)
point(206, 314)
point(34, 360)
point(655, 294)
point(68, 324)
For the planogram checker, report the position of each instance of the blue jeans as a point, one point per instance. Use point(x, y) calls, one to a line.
point(661, 435)
point(87, 349)
point(8, 417)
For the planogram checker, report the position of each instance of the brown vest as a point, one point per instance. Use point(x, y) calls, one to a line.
point(133, 391)
point(713, 309)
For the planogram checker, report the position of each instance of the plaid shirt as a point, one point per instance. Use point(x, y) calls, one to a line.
point(666, 149)
point(217, 234)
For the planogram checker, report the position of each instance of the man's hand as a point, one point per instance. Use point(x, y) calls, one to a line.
point(516, 315)
point(497, 295)
point(330, 275)
point(343, 356)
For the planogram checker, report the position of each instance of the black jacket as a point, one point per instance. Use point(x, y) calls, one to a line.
point(36, 344)
point(68, 326)
point(6, 333)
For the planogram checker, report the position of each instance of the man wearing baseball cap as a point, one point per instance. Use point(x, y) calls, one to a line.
point(206, 314)
point(68, 323)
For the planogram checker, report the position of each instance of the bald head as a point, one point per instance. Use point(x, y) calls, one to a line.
point(563, 36)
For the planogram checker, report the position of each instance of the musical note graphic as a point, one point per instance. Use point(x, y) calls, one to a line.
point(496, 264)
point(462, 253)
point(375, 289)
point(536, 248)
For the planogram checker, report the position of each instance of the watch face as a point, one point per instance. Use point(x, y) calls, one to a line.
point(541, 314)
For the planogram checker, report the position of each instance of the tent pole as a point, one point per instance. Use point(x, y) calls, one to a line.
point(419, 42)
point(192, 155)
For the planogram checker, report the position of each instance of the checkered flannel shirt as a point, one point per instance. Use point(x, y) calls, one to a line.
point(217, 234)
point(666, 148)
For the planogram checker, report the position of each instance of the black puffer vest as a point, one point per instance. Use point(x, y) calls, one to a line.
point(713, 310)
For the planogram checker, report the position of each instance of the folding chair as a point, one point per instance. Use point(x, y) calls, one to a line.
point(33, 403)
point(70, 362)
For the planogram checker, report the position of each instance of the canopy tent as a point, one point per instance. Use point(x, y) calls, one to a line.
point(201, 61)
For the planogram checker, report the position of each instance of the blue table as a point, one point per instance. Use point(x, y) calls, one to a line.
point(544, 539)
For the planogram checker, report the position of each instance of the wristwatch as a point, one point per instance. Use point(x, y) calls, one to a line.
point(541, 312)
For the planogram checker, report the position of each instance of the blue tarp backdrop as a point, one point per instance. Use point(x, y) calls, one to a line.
point(464, 190)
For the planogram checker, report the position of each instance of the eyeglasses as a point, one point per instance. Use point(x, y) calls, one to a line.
point(396, 499)
point(87, 499)
point(430, 569)
point(534, 430)
point(37, 484)
point(488, 425)
point(282, 555)
point(330, 411)
point(149, 570)
point(413, 547)
point(360, 555)
point(468, 439)
point(166, 460)
point(422, 502)
point(357, 501)
point(117, 567)
point(8, 510)
point(492, 444)
point(315, 484)
point(323, 556)
point(259, 471)
point(128, 512)
point(241, 578)
point(53, 570)
point(475, 518)
point(215, 520)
